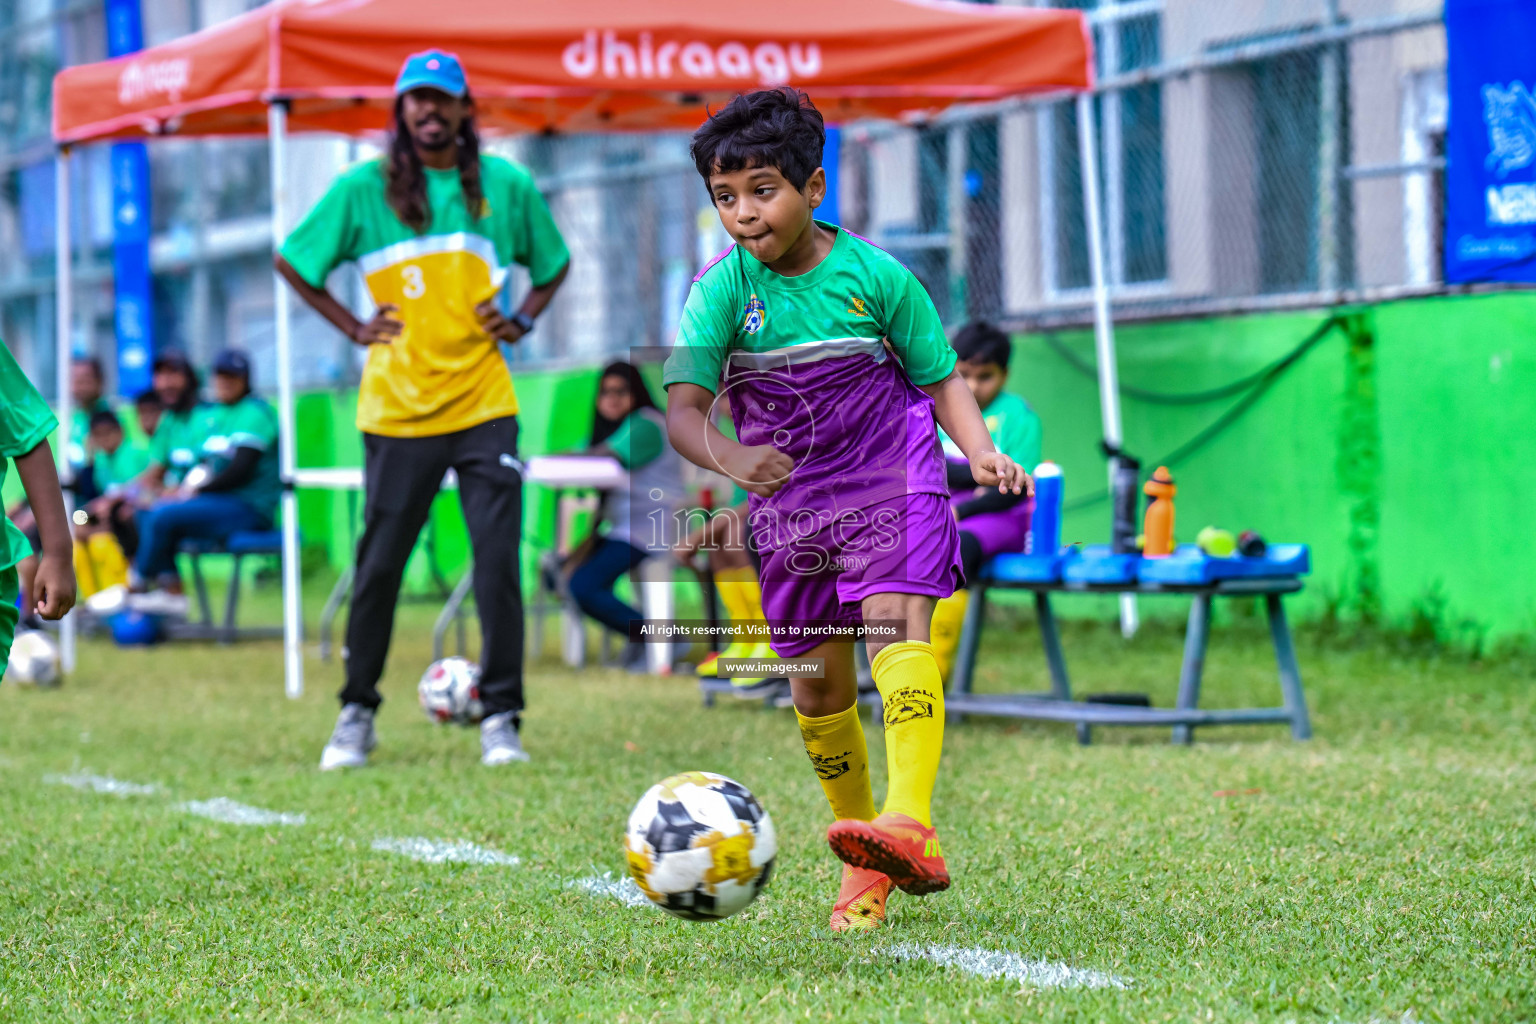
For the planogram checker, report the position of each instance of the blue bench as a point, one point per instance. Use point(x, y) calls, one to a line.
point(239, 547)
point(1096, 569)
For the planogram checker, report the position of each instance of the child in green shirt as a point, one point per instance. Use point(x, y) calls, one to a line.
point(25, 423)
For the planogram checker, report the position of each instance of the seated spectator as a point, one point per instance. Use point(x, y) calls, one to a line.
point(148, 409)
point(87, 385)
point(990, 523)
point(115, 465)
point(627, 426)
point(177, 422)
point(116, 462)
point(234, 488)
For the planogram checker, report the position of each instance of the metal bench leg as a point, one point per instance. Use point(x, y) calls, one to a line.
point(450, 614)
point(201, 586)
point(231, 602)
point(1290, 672)
point(333, 604)
point(1195, 639)
point(970, 641)
point(1050, 639)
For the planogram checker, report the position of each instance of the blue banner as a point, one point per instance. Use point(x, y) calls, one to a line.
point(830, 209)
point(1490, 220)
point(132, 283)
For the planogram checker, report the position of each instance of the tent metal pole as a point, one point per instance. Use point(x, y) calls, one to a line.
point(63, 318)
point(293, 621)
point(1103, 323)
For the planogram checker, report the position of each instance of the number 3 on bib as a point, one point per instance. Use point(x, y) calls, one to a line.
point(415, 285)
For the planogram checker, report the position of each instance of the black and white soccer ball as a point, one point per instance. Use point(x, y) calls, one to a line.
point(449, 691)
point(700, 846)
point(34, 660)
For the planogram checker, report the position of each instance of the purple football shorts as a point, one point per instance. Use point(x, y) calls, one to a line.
point(905, 545)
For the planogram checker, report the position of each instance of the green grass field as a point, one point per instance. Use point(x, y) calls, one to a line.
point(1383, 871)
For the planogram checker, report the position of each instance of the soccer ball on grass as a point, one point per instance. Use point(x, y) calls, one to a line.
point(449, 691)
point(34, 660)
point(700, 846)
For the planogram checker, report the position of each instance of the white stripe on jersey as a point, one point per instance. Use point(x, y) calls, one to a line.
point(426, 245)
point(811, 352)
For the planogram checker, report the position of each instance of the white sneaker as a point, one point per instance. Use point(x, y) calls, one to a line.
point(499, 742)
point(108, 601)
point(160, 602)
point(351, 740)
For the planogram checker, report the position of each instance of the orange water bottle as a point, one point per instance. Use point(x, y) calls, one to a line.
point(1157, 527)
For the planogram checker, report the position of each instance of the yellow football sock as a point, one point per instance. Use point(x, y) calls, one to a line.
point(85, 572)
point(110, 562)
point(841, 758)
point(743, 600)
point(908, 679)
point(948, 622)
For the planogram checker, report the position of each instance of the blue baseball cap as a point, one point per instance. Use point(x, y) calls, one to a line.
point(432, 69)
point(233, 363)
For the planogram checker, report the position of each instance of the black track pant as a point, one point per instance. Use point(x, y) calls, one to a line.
point(402, 476)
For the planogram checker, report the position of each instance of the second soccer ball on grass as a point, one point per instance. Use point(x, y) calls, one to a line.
point(449, 691)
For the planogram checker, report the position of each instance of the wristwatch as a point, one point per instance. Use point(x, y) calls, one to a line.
point(523, 320)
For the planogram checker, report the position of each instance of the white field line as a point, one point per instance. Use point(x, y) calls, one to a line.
point(444, 851)
point(622, 889)
point(222, 808)
point(103, 784)
point(990, 963)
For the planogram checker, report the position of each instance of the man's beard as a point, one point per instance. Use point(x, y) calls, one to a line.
point(437, 145)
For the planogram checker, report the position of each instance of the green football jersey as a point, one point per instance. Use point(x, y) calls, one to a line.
point(249, 423)
point(852, 302)
point(25, 422)
point(178, 442)
point(119, 467)
point(1015, 430)
point(443, 373)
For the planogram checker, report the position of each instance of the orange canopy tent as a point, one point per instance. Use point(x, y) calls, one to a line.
point(559, 65)
point(573, 65)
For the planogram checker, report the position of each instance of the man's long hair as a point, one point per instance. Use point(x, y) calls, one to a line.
point(407, 181)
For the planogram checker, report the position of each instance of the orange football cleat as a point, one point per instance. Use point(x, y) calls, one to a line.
point(861, 900)
point(894, 845)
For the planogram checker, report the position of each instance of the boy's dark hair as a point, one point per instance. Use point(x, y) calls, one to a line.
point(980, 342)
point(93, 362)
point(777, 128)
point(149, 398)
point(105, 418)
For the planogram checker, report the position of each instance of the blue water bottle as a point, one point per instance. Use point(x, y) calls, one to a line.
point(1045, 527)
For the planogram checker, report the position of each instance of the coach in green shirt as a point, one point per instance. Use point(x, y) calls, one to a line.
point(433, 225)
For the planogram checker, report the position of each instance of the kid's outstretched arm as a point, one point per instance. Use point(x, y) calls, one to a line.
point(955, 409)
point(761, 469)
point(53, 588)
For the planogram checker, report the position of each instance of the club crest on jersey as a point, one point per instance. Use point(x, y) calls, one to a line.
point(754, 315)
point(856, 306)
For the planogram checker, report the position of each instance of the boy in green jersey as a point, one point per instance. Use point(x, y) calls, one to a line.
point(25, 423)
point(837, 367)
point(115, 460)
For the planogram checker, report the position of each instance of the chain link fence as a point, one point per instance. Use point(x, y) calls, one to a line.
point(1252, 156)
